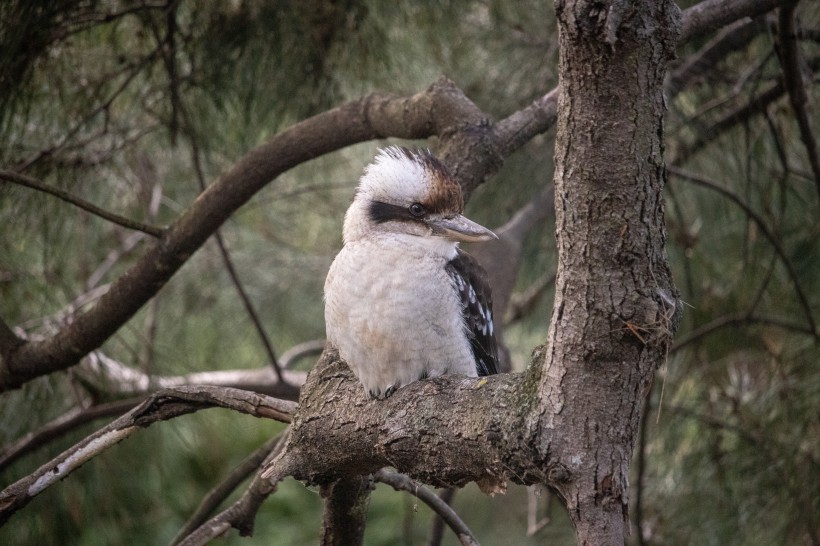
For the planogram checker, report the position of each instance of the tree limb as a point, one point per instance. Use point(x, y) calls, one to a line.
point(345, 514)
point(711, 15)
point(112, 378)
point(400, 482)
point(161, 406)
point(339, 431)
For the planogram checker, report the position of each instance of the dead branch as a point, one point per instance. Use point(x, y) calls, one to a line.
point(161, 406)
point(106, 375)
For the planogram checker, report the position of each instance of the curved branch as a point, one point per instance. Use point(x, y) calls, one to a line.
point(400, 482)
point(711, 15)
point(374, 116)
point(764, 228)
point(738, 319)
point(161, 406)
point(33, 183)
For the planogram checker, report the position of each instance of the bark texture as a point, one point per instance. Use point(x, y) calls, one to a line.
point(345, 517)
point(615, 304)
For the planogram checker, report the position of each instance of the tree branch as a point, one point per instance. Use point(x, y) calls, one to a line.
point(339, 431)
point(469, 143)
point(738, 319)
point(711, 15)
point(400, 482)
point(728, 40)
point(241, 514)
point(110, 377)
point(764, 228)
point(60, 426)
point(793, 75)
point(219, 493)
point(29, 182)
point(161, 406)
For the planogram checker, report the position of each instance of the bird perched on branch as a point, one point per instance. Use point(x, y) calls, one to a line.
point(402, 302)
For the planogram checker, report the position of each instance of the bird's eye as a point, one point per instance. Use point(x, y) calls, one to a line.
point(417, 210)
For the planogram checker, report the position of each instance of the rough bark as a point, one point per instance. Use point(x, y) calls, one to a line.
point(615, 303)
point(345, 517)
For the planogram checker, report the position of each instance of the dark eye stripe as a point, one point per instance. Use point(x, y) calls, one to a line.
point(381, 212)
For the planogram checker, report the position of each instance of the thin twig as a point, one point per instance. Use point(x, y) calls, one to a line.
point(160, 406)
point(29, 182)
point(196, 159)
point(738, 319)
point(764, 228)
point(790, 61)
point(400, 482)
point(242, 513)
point(62, 425)
point(219, 493)
point(437, 529)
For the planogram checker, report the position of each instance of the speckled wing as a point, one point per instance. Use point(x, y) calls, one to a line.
point(476, 303)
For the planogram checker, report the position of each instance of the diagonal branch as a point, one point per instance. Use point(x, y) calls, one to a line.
point(29, 182)
point(711, 15)
point(802, 299)
point(61, 425)
point(219, 493)
point(400, 482)
point(371, 117)
point(241, 514)
point(161, 406)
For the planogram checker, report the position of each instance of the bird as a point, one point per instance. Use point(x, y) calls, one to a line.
point(402, 301)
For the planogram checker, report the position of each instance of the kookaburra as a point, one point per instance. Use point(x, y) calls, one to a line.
point(402, 302)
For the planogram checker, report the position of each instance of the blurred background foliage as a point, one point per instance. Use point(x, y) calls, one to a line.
point(115, 101)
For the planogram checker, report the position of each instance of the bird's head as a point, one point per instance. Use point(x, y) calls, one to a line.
point(411, 193)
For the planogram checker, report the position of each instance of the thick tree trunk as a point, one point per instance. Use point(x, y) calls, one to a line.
point(615, 303)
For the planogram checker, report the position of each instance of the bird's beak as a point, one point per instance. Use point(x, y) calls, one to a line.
point(460, 228)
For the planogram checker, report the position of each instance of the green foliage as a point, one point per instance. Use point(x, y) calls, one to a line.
point(110, 101)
